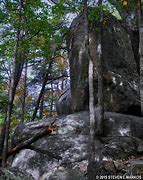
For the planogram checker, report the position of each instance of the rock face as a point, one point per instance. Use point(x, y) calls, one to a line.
point(64, 153)
point(121, 80)
point(59, 154)
point(14, 174)
point(130, 17)
point(120, 70)
point(64, 104)
point(78, 65)
point(67, 174)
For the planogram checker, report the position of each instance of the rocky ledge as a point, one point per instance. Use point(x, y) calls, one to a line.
point(64, 153)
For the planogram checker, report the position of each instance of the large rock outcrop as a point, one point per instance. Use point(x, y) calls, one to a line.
point(14, 174)
point(64, 153)
point(121, 80)
point(130, 17)
point(64, 105)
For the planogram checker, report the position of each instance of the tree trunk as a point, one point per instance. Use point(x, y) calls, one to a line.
point(52, 100)
point(98, 119)
point(7, 126)
point(140, 17)
point(47, 130)
point(24, 93)
point(91, 172)
point(12, 91)
point(41, 107)
point(100, 107)
point(16, 74)
point(1, 138)
point(42, 91)
point(39, 99)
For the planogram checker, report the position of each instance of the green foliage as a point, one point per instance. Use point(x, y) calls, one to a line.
point(2, 119)
point(3, 101)
point(94, 13)
point(124, 5)
point(44, 26)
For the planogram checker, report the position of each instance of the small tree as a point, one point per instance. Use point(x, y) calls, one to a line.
point(96, 118)
point(18, 61)
point(91, 174)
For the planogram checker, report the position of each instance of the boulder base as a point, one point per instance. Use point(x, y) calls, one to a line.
point(65, 151)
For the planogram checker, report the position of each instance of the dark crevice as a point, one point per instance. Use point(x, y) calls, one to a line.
point(133, 110)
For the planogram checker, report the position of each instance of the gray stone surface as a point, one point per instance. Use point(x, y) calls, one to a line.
point(14, 174)
point(68, 147)
point(67, 174)
point(121, 80)
point(64, 103)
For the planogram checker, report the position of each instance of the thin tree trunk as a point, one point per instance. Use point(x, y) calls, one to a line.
point(24, 93)
point(91, 172)
point(98, 119)
point(12, 91)
point(7, 126)
point(52, 99)
point(41, 107)
point(44, 131)
point(39, 99)
point(100, 107)
point(90, 76)
point(42, 91)
point(91, 161)
point(16, 74)
point(1, 138)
